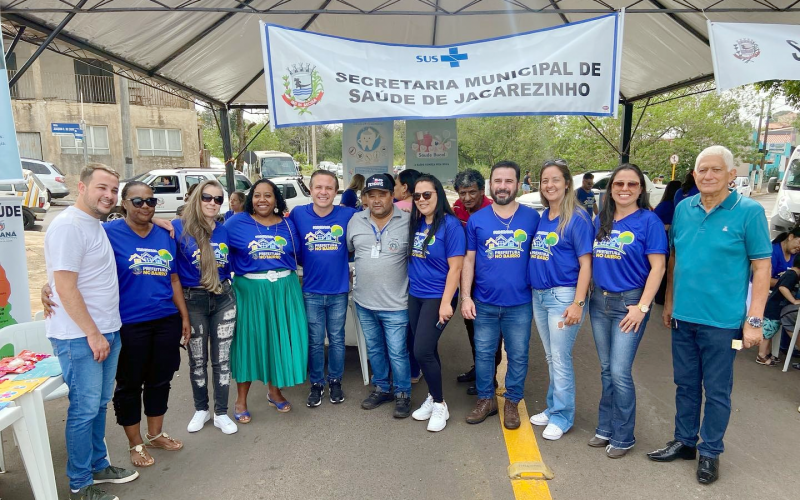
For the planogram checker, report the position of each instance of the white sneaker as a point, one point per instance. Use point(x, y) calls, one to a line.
point(225, 424)
point(540, 419)
point(439, 417)
point(424, 411)
point(552, 432)
point(198, 420)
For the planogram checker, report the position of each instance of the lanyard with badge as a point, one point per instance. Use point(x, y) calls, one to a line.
point(376, 248)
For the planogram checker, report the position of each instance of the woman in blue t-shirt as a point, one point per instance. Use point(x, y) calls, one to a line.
point(236, 203)
point(559, 271)
point(350, 196)
point(434, 271)
point(271, 341)
point(205, 274)
point(628, 262)
point(784, 247)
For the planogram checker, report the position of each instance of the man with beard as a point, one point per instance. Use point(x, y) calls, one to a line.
point(498, 249)
point(379, 238)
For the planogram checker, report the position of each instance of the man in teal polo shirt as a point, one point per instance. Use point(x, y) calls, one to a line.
point(716, 236)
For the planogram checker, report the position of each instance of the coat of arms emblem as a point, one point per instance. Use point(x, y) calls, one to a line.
point(746, 49)
point(303, 87)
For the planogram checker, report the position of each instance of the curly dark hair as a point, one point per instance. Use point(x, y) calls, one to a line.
point(279, 201)
point(467, 178)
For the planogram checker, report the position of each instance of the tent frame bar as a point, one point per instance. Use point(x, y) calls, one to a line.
point(296, 12)
point(14, 43)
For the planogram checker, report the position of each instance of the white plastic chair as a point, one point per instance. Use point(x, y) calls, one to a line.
point(13, 417)
point(776, 340)
point(39, 316)
point(353, 328)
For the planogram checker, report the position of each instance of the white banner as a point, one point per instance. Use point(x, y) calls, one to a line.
point(10, 166)
point(745, 53)
point(15, 304)
point(564, 70)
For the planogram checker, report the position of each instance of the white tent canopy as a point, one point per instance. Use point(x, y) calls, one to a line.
point(211, 48)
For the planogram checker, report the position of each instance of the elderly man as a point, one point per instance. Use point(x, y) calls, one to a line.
point(716, 236)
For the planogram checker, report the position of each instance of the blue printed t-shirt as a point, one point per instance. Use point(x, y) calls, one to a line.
point(620, 261)
point(501, 255)
point(665, 211)
point(144, 269)
point(323, 253)
point(779, 264)
point(554, 256)
point(189, 254)
point(427, 272)
point(712, 258)
point(257, 248)
point(349, 198)
point(586, 199)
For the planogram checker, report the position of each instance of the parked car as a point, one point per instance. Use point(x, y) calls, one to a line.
point(54, 180)
point(601, 178)
point(35, 201)
point(743, 185)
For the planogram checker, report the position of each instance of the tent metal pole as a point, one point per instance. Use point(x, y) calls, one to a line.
point(14, 43)
point(625, 133)
point(227, 148)
point(44, 45)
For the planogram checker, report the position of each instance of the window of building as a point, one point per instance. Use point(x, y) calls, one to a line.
point(95, 80)
point(159, 142)
point(97, 142)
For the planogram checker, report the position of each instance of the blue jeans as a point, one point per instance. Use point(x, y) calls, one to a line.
point(91, 385)
point(515, 324)
point(616, 350)
point(557, 339)
point(385, 333)
point(325, 312)
point(702, 358)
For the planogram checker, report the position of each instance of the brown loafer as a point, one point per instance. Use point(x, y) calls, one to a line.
point(510, 415)
point(598, 442)
point(616, 452)
point(483, 408)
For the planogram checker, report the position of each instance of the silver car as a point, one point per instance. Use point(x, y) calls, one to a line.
point(54, 180)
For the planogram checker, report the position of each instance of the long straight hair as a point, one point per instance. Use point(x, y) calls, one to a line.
point(610, 206)
point(196, 226)
point(442, 209)
point(569, 205)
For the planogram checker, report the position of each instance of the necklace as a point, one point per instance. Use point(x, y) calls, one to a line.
point(260, 224)
point(501, 220)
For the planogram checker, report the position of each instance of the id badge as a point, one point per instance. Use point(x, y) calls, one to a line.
point(376, 252)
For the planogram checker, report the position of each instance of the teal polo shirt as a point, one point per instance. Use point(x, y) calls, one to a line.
point(712, 259)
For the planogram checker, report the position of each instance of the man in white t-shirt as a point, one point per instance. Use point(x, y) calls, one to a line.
point(84, 327)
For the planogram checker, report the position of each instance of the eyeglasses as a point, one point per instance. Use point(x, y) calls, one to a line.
point(622, 184)
point(427, 195)
point(139, 202)
point(558, 161)
point(208, 198)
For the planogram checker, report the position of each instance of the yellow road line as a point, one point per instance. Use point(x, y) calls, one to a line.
point(521, 446)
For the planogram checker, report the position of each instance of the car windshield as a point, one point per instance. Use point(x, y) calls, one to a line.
point(793, 176)
point(278, 167)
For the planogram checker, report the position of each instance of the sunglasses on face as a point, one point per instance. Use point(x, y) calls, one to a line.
point(427, 195)
point(208, 198)
point(558, 161)
point(622, 184)
point(139, 202)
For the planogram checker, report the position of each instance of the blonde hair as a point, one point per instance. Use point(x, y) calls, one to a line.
point(569, 205)
point(196, 226)
point(357, 182)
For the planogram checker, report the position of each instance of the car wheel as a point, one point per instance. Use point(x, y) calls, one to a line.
point(116, 213)
point(28, 219)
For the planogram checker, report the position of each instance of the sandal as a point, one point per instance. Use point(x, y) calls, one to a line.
point(174, 445)
point(281, 407)
point(766, 361)
point(142, 453)
point(243, 417)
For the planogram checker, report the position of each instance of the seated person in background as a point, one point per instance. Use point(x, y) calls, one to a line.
point(782, 294)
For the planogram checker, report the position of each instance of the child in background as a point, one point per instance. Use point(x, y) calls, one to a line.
point(781, 295)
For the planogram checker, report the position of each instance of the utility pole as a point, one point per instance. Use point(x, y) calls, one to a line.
point(85, 135)
point(313, 146)
point(125, 122)
point(766, 148)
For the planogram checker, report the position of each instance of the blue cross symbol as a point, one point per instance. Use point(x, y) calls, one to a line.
point(453, 57)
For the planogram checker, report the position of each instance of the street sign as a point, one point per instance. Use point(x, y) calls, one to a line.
point(67, 129)
point(673, 159)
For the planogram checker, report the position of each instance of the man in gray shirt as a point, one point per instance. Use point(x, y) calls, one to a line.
point(379, 238)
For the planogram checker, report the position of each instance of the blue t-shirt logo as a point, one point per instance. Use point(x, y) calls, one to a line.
point(419, 240)
point(266, 247)
point(505, 244)
point(150, 262)
point(612, 247)
point(324, 238)
point(542, 244)
point(220, 254)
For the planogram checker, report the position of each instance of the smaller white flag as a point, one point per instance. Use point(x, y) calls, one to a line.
point(746, 53)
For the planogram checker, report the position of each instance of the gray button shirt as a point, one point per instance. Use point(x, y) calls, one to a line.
point(381, 283)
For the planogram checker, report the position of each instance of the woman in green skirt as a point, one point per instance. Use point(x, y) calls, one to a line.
point(271, 341)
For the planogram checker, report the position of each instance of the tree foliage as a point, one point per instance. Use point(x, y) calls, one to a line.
point(789, 89)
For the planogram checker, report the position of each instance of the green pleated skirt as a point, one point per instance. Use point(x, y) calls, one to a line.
point(271, 341)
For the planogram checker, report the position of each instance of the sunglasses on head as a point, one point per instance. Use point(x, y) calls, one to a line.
point(427, 195)
point(208, 198)
point(622, 184)
point(558, 161)
point(139, 202)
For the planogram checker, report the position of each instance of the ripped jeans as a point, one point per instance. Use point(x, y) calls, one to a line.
point(213, 319)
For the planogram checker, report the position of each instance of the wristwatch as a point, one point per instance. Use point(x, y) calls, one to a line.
point(755, 321)
point(644, 308)
point(579, 303)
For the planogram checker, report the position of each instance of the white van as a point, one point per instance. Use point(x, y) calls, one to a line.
point(786, 213)
point(271, 164)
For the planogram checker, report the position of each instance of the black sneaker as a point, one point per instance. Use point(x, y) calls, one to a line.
point(375, 399)
point(337, 394)
point(402, 405)
point(315, 396)
point(467, 376)
point(91, 493)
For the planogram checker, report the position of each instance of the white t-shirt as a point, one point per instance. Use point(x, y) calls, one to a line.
point(76, 241)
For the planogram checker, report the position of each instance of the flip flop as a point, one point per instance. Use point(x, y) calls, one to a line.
point(141, 451)
point(148, 442)
point(281, 407)
point(242, 418)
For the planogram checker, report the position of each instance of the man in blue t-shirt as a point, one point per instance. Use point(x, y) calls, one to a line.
point(326, 282)
point(585, 195)
point(498, 248)
point(717, 229)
